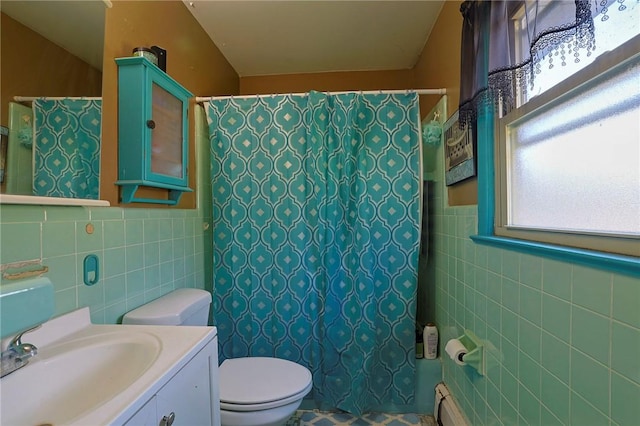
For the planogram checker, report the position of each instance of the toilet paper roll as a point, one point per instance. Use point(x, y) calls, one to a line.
point(456, 350)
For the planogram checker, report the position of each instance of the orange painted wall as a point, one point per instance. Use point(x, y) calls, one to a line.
point(195, 62)
point(192, 60)
point(34, 66)
point(439, 63)
point(439, 66)
point(329, 81)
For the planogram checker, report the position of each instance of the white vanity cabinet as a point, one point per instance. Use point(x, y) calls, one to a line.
point(112, 374)
point(189, 398)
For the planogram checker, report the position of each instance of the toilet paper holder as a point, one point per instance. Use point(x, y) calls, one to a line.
point(475, 351)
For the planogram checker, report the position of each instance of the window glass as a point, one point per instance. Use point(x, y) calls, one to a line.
point(613, 27)
point(575, 164)
point(569, 154)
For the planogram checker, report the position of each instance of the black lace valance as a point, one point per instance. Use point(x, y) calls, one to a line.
point(495, 63)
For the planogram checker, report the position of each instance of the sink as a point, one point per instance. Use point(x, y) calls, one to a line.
point(76, 375)
point(94, 374)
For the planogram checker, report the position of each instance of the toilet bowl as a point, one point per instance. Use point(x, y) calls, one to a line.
point(254, 391)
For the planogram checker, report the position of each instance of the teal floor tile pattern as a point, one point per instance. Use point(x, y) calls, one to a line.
point(323, 418)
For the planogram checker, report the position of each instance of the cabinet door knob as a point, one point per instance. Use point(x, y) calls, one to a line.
point(168, 420)
point(151, 124)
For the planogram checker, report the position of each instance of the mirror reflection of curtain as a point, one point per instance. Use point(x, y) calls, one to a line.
point(19, 170)
point(67, 148)
point(316, 236)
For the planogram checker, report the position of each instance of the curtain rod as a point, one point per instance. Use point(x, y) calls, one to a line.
point(55, 98)
point(386, 92)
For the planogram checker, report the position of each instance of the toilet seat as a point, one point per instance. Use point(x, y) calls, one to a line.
point(260, 383)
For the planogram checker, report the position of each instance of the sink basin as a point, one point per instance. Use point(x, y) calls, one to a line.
point(95, 374)
point(75, 376)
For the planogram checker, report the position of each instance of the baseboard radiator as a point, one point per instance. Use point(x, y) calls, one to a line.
point(446, 410)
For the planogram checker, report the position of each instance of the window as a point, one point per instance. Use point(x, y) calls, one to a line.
point(610, 34)
point(568, 156)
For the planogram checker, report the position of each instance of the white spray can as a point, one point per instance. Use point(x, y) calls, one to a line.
point(430, 339)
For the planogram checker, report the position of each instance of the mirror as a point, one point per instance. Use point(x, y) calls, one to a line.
point(50, 49)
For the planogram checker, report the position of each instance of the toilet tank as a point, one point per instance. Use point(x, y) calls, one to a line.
point(185, 306)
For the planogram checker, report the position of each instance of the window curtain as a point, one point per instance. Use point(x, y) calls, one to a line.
point(505, 44)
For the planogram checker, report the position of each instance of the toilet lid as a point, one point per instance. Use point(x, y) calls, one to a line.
point(256, 380)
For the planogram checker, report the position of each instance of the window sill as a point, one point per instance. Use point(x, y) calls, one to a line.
point(610, 262)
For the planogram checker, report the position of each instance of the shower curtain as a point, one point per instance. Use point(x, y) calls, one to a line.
point(316, 236)
point(66, 149)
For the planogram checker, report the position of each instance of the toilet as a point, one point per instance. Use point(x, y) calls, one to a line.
point(254, 391)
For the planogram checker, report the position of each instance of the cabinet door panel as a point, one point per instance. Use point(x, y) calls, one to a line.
point(146, 416)
point(166, 137)
point(188, 394)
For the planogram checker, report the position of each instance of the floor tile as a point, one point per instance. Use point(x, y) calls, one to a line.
point(323, 418)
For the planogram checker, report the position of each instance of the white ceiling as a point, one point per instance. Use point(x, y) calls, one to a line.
point(289, 37)
point(264, 37)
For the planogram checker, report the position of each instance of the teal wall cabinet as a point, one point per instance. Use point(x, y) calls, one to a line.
point(153, 132)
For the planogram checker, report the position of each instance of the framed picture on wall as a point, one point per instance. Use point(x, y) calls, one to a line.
point(459, 151)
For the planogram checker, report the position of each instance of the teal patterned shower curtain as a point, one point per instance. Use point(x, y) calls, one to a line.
point(66, 149)
point(316, 235)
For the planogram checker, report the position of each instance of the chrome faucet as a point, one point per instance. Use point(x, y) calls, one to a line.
point(17, 354)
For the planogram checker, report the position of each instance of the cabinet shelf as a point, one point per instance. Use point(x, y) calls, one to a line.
point(129, 188)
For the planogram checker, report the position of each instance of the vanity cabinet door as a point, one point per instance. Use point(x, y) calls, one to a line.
point(187, 396)
point(146, 416)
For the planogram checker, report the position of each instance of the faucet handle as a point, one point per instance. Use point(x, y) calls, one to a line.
point(17, 354)
point(27, 350)
point(16, 342)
